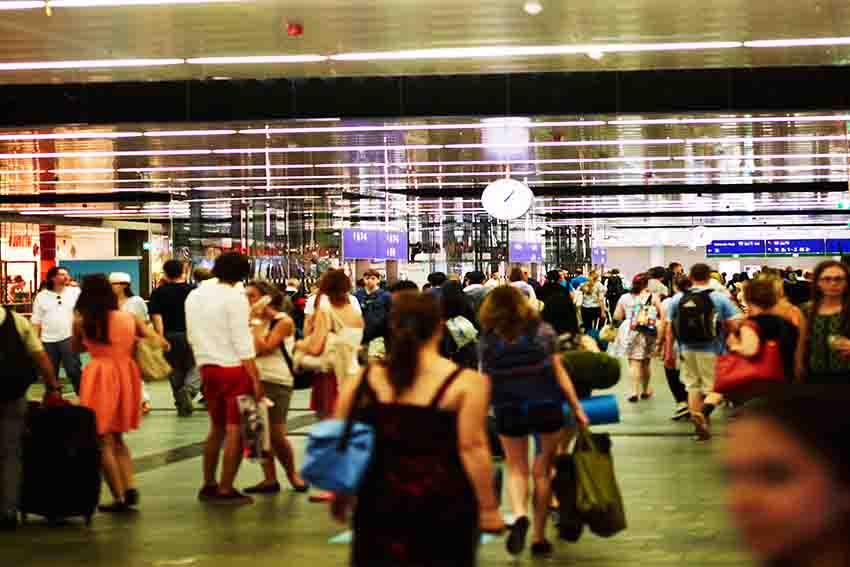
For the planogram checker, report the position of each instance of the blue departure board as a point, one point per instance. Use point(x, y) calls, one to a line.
point(837, 246)
point(735, 248)
point(800, 247)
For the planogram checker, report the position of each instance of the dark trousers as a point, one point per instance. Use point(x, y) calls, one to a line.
point(11, 430)
point(60, 353)
point(590, 316)
point(182, 361)
point(680, 393)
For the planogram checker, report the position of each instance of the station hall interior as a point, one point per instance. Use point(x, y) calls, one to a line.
point(407, 138)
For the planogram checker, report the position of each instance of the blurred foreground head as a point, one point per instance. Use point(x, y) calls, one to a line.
point(788, 470)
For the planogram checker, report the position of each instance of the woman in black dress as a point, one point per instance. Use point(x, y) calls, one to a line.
point(428, 492)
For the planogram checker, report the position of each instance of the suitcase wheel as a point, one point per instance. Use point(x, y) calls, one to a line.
point(24, 517)
point(88, 521)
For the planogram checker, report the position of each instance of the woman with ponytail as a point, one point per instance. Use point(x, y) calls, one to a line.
point(428, 492)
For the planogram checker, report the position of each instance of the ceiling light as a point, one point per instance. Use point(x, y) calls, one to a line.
point(107, 3)
point(88, 64)
point(801, 42)
point(21, 5)
point(106, 154)
point(726, 120)
point(596, 54)
point(766, 139)
point(297, 150)
point(529, 50)
point(257, 59)
point(533, 7)
point(174, 133)
point(417, 127)
point(69, 136)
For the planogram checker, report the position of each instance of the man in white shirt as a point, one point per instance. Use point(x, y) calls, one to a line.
point(217, 326)
point(53, 318)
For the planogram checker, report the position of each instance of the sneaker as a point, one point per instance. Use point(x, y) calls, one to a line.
point(234, 498)
point(115, 508)
point(131, 497)
point(9, 523)
point(183, 401)
point(682, 412)
point(517, 535)
point(541, 549)
point(208, 492)
point(701, 426)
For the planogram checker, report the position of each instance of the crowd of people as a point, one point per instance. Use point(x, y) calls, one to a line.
point(439, 373)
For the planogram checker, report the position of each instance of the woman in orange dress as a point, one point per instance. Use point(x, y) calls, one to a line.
point(111, 384)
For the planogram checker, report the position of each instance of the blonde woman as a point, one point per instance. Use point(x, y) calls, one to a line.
point(592, 301)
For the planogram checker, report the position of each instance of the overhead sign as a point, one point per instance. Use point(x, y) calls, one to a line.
point(525, 252)
point(735, 248)
point(599, 256)
point(370, 244)
point(837, 246)
point(798, 247)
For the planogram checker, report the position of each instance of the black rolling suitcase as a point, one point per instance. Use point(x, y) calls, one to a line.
point(61, 464)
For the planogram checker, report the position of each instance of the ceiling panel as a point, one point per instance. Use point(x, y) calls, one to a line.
point(332, 27)
point(596, 167)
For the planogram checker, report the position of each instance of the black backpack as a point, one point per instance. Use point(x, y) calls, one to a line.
point(17, 370)
point(615, 290)
point(695, 321)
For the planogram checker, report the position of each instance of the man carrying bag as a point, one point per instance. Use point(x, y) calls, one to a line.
point(22, 357)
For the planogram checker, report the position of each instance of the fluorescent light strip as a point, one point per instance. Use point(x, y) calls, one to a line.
point(419, 127)
point(88, 64)
point(106, 154)
point(528, 51)
point(69, 136)
point(21, 5)
point(766, 139)
point(329, 149)
point(800, 42)
point(573, 143)
point(730, 120)
point(211, 168)
point(20, 171)
point(175, 133)
point(257, 59)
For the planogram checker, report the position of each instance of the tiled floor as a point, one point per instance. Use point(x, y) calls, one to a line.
point(670, 484)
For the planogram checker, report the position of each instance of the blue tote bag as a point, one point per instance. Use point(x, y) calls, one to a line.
point(339, 452)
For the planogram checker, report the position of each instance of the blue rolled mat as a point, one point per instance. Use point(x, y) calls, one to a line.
point(601, 410)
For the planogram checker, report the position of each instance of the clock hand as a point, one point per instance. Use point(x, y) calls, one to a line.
point(508, 198)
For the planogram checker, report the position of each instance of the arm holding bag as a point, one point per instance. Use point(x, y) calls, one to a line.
point(734, 372)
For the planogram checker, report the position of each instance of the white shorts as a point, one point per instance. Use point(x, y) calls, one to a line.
point(698, 371)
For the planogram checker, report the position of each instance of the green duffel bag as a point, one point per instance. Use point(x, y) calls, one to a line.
point(598, 497)
point(591, 370)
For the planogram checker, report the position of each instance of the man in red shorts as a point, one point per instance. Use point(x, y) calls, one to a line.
point(217, 326)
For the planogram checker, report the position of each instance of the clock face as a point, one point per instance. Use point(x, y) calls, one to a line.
point(507, 199)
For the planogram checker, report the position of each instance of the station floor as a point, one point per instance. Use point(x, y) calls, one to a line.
point(671, 487)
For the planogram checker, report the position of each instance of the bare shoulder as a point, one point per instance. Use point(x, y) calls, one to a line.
point(473, 382)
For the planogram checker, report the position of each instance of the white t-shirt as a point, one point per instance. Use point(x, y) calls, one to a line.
point(54, 312)
point(591, 300)
point(310, 306)
point(137, 306)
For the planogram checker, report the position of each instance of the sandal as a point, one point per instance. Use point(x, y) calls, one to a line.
point(516, 538)
point(146, 408)
point(633, 399)
point(263, 488)
point(647, 395)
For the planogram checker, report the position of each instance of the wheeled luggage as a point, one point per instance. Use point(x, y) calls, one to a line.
point(61, 463)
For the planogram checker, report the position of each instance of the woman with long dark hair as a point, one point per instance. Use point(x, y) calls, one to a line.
point(111, 384)
point(428, 491)
point(518, 353)
point(825, 343)
point(788, 477)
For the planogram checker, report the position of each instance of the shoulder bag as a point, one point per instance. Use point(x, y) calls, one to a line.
point(734, 372)
point(339, 451)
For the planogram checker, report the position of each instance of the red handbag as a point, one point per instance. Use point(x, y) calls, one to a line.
point(735, 372)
